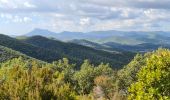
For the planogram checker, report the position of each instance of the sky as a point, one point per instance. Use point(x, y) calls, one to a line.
point(21, 16)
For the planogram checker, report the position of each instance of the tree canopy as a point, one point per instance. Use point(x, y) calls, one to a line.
point(153, 80)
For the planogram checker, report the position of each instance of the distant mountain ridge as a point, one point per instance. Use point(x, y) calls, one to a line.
point(42, 32)
point(121, 37)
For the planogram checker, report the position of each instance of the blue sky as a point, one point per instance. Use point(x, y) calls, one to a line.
point(21, 16)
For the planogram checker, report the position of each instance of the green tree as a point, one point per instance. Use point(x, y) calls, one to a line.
point(85, 77)
point(65, 68)
point(88, 72)
point(153, 80)
point(128, 74)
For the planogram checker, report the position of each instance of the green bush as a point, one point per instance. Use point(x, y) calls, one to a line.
point(153, 80)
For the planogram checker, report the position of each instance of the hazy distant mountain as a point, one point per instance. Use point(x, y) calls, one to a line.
point(66, 35)
point(144, 47)
point(41, 32)
point(121, 37)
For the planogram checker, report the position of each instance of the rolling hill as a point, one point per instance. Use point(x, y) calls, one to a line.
point(79, 52)
point(49, 50)
point(95, 45)
point(28, 49)
point(117, 47)
point(144, 47)
point(7, 54)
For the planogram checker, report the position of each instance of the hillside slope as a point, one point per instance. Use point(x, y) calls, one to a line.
point(144, 47)
point(6, 54)
point(79, 52)
point(30, 50)
point(95, 45)
point(51, 50)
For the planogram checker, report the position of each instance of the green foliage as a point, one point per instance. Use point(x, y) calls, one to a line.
point(153, 78)
point(85, 77)
point(127, 75)
point(32, 81)
point(66, 69)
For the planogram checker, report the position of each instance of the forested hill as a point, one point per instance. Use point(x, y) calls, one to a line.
point(7, 54)
point(96, 45)
point(79, 52)
point(51, 50)
point(28, 49)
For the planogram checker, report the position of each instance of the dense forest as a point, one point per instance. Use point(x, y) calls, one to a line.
point(50, 50)
point(146, 77)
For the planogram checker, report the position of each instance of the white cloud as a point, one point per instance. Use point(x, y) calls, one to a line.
point(7, 16)
point(114, 25)
point(27, 19)
point(84, 21)
point(59, 15)
point(14, 18)
point(4, 1)
point(29, 5)
point(17, 19)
